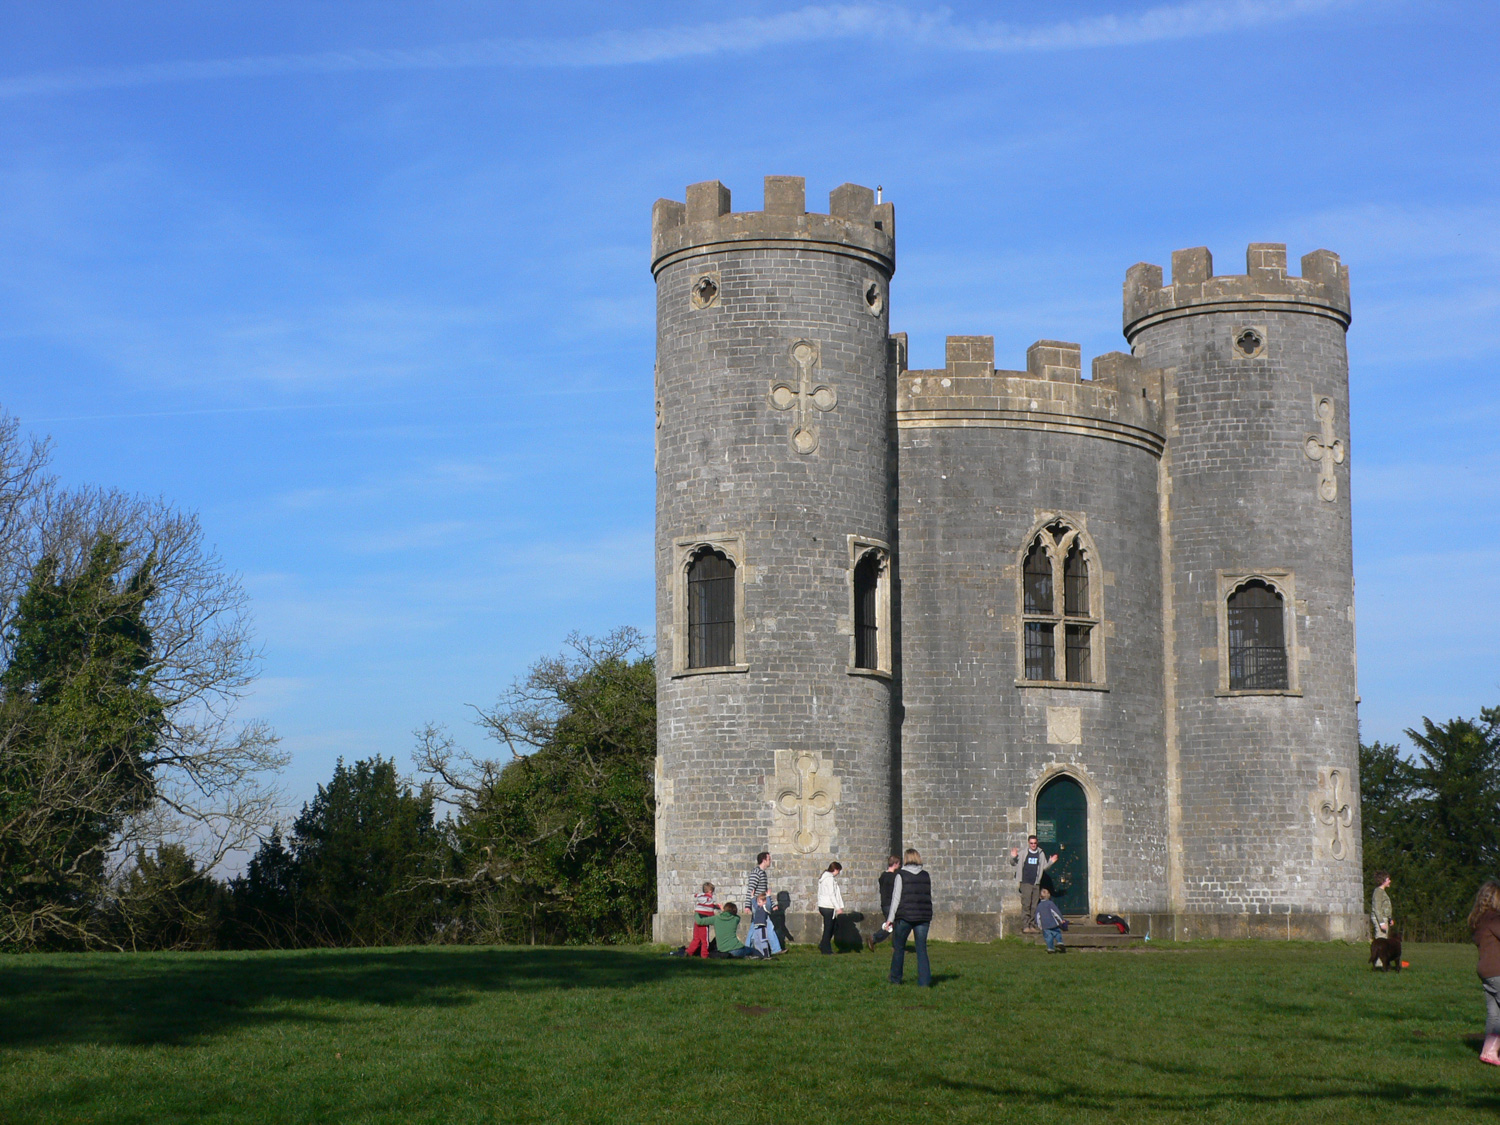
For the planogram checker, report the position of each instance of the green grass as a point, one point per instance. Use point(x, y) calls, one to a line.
point(1252, 1032)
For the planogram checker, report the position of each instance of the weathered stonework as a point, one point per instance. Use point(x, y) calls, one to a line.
point(775, 407)
point(792, 438)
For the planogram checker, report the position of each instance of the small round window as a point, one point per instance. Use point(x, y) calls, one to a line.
point(874, 298)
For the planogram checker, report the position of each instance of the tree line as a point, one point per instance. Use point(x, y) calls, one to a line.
point(551, 842)
point(1432, 821)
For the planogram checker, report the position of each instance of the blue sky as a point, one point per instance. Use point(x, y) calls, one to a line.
point(367, 284)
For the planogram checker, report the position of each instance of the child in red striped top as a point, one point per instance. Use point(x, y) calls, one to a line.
point(704, 908)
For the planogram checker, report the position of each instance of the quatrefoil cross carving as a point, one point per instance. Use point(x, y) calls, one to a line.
point(1332, 808)
point(804, 396)
point(1327, 450)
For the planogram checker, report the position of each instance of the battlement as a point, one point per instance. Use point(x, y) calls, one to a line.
point(1322, 290)
point(1122, 402)
point(855, 224)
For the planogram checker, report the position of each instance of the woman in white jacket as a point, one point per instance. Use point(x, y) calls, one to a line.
point(830, 903)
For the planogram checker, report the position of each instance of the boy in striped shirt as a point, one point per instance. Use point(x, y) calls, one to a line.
point(758, 886)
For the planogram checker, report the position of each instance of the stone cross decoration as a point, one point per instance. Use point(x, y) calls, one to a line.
point(1326, 449)
point(805, 397)
point(805, 793)
point(1332, 808)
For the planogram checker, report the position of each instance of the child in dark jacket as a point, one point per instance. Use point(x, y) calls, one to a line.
point(1050, 919)
point(760, 926)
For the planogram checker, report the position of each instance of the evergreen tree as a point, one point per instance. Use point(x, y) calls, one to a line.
point(166, 902)
point(263, 901)
point(79, 719)
point(362, 848)
point(1433, 822)
point(1458, 785)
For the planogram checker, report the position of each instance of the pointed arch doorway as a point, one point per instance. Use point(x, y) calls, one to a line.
point(1062, 829)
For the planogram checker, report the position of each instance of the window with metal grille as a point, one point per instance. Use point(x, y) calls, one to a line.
point(710, 586)
point(1077, 662)
point(1039, 655)
point(1059, 639)
point(1257, 638)
point(1076, 582)
point(1038, 578)
point(867, 612)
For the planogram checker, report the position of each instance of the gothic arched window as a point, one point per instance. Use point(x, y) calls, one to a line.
point(1256, 620)
point(710, 605)
point(1059, 641)
point(869, 590)
point(1040, 639)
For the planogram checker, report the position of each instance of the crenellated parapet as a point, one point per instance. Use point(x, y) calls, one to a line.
point(1323, 288)
point(856, 225)
point(1122, 402)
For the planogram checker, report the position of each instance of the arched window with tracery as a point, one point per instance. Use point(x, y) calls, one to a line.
point(710, 605)
point(1256, 621)
point(1060, 636)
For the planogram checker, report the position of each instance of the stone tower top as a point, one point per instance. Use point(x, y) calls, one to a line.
point(1323, 288)
point(855, 224)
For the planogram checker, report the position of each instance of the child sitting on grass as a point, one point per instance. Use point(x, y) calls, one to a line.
point(1050, 919)
point(704, 908)
point(726, 926)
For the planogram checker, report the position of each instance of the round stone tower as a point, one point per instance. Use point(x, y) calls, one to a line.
point(774, 542)
point(1258, 592)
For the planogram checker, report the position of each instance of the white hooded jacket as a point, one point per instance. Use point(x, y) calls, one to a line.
point(829, 895)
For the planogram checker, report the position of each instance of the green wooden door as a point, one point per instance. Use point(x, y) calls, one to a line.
point(1062, 829)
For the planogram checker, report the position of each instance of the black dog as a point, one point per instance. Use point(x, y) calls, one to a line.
point(1385, 952)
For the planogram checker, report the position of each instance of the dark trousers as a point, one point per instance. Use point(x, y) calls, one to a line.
point(1031, 894)
point(898, 951)
point(826, 945)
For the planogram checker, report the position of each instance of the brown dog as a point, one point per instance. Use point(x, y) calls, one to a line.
point(1385, 952)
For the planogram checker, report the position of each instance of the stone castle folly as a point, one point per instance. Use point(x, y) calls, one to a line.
point(943, 609)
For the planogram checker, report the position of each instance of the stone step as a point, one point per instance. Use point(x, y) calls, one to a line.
point(1083, 933)
point(1072, 938)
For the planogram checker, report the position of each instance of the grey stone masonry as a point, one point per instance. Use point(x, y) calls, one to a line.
point(1205, 471)
point(988, 458)
point(1264, 785)
point(773, 409)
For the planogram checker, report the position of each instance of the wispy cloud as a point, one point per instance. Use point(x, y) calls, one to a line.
point(933, 29)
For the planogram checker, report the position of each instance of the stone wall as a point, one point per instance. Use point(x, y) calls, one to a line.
point(1267, 784)
point(789, 741)
point(986, 458)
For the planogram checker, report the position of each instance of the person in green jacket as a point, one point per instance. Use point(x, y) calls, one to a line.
point(726, 927)
point(1380, 905)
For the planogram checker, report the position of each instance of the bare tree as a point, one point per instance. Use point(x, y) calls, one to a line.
point(207, 784)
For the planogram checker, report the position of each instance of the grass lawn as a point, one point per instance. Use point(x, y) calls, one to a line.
point(1234, 1032)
